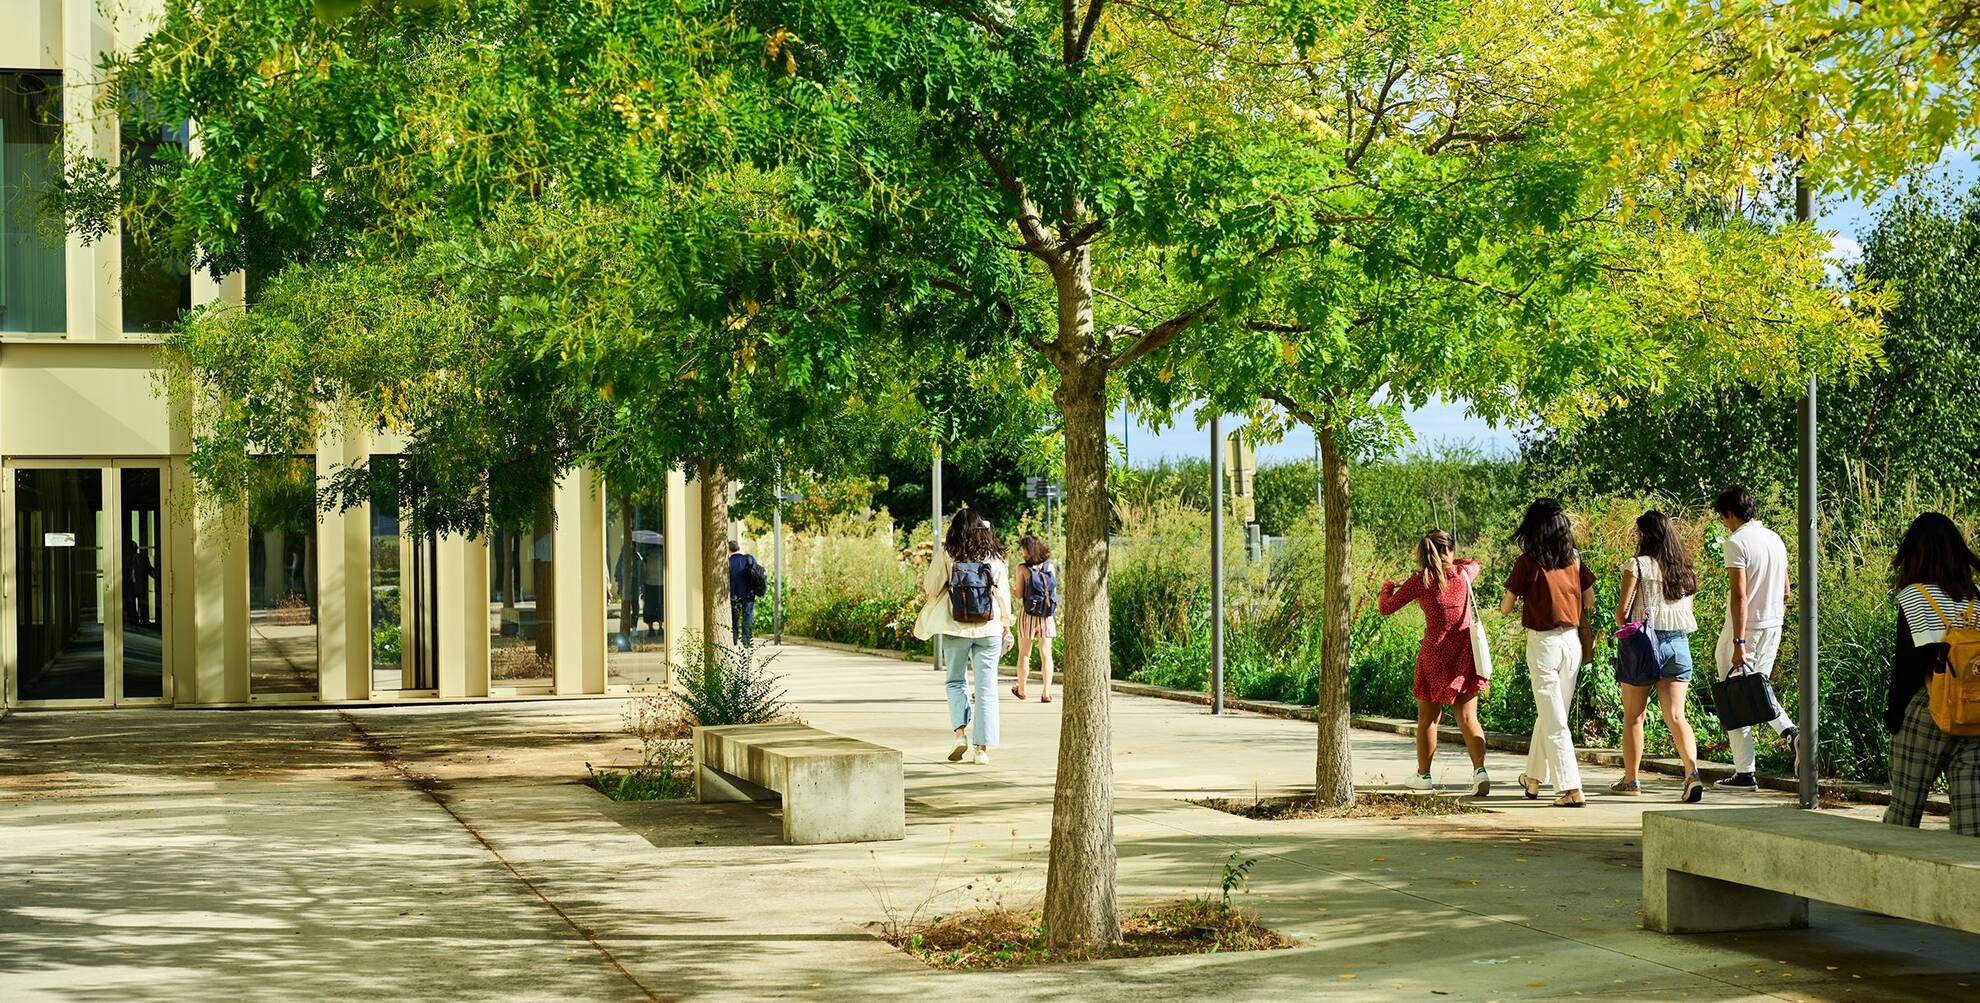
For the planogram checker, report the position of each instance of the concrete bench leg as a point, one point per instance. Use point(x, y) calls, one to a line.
point(845, 799)
point(712, 785)
point(1677, 902)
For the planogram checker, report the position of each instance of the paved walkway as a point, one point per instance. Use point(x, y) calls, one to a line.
point(446, 853)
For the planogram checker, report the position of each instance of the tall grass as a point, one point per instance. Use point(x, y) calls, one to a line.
point(854, 584)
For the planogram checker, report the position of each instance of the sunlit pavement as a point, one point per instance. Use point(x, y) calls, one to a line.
point(449, 852)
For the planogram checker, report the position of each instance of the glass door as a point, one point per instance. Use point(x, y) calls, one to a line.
point(60, 585)
point(139, 641)
point(87, 608)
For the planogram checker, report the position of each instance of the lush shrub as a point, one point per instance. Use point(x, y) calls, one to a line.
point(1158, 593)
point(727, 685)
point(854, 585)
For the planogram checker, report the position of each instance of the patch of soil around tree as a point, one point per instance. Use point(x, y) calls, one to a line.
point(1367, 804)
point(1009, 938)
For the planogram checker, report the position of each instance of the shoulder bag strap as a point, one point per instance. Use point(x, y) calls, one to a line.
point(1944, 620)
point(1636, 598)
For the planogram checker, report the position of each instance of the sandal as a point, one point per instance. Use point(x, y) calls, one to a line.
point(1626, 787)
point(1570, 799)
point(1531, 786)
point(1045, 697)
point(1017, 693)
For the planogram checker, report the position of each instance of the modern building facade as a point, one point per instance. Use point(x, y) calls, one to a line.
point(119, 587)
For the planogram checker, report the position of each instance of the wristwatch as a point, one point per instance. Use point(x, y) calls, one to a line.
point(1740, 641)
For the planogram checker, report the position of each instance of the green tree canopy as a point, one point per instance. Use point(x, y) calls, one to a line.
point(1906, 422)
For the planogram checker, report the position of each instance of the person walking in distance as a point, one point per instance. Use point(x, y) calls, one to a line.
point(747, 583)
point(1554, 593)
point(1938, 605)
point(1445, 676)
point(1038, 605)
point(1756, 606)
point(966, 594)
point(1657, 586)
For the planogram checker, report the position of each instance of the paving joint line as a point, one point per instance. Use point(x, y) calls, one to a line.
point(1376, 883)
point(435, 790)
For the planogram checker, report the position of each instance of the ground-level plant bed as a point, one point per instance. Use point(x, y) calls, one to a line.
point(642, 783)
point(1009, 938)
point(1367, 804)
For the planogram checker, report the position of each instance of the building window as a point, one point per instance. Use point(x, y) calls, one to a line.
point(33, 250)
point(522, 607)
point(282, 598)
point(157, 281)
point(635, 618)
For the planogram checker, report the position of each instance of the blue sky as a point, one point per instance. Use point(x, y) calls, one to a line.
point(1447, 422)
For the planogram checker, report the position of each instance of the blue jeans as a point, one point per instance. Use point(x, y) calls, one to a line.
point(743, 621)
point(977, 656)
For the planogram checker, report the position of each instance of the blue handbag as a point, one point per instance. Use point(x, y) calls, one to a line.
point(1637, 661)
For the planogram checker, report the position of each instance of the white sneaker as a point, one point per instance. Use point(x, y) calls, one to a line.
point(961, 750)
point(982, 757)
point(1481, 782)
point(1420, 782)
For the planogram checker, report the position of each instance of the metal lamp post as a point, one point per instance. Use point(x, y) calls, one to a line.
point(935, 523)
point(777, 549)
point(1807, 770)
point(1216, 564)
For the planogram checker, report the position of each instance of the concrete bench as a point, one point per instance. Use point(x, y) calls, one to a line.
point(835, 789)
point(1716, 870)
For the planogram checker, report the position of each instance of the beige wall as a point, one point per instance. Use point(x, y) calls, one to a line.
point(67, 399)
point(31, 34)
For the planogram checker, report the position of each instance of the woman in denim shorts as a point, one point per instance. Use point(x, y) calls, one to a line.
point(1657, 586)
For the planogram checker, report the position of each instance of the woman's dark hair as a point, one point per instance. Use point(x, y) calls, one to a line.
point(970, 538)
point(1545, 536)
point(1034, 549)
point(1658, 540)
point(1736, 501)
point(1933, 552)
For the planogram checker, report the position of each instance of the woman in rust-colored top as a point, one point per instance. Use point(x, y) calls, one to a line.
point(1553, 591)
point(1444, 673)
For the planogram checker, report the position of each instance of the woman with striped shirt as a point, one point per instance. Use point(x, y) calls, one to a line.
point(1933, 571)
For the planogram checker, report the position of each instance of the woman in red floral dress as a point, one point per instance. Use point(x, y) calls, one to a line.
point(1444, 675)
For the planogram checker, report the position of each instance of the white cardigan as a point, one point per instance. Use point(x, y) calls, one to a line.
point(935, 618)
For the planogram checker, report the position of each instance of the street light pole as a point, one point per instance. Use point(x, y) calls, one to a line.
point(1807, 770)
point(935, 522)
point(777, 549)
point(1216, 564)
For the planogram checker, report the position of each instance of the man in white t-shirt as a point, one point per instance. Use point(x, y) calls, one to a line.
point(1756, 597)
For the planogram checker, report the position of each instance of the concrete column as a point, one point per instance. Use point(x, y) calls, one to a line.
point(95, 297)
point(343, 570)
point(180, 574)
point(274, 546)
point(580, 585)
point(219, 601)
point(682, 559)
point(462, 564)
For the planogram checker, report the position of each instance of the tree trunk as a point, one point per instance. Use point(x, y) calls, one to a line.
point(1079, 877)
point(714, 553)
point(1333, 769)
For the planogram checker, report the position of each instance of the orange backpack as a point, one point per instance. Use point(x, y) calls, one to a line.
point(1953, 690)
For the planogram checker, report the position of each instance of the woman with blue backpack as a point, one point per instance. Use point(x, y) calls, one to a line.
point(967, 604)
point(1038, 602)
